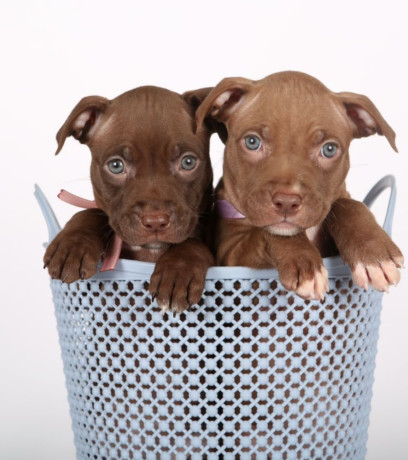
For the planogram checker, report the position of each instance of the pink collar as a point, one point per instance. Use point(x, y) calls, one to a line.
point(114, 249)
point(225, 209)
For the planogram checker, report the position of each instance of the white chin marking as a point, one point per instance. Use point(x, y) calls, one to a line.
point(150, 246)
point(283, 231)
point(154, 246)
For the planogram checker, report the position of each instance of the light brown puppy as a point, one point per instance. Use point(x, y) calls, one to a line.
point(152, 182)
point(286, 160)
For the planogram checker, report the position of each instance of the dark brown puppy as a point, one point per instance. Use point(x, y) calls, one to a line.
point(286, 160)
point(152, 182)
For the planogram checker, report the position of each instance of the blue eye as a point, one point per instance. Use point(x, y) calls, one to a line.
point(116, 166)
point(329, 150)
point(188, 162)
point(253, 142)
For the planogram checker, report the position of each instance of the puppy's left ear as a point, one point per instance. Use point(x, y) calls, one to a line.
point(82, 121)
point(224, 99)
point(365, 117)
point(194, 99)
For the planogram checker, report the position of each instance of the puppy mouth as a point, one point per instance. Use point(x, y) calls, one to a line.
point(151, 242)
point(287, 224)
point(156, 246)
point(139, 238)
point(284, 228)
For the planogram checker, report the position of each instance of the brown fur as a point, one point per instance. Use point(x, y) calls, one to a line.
point(287, 190)
point(157, 206)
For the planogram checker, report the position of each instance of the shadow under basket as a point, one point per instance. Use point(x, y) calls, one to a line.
point(251, 372)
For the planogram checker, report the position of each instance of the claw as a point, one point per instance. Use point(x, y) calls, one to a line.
point(164, 307)
point(399, 261)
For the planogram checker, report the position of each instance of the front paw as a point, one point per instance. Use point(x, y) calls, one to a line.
point(70, 257)
point(306, 275)
point(380, 272)
point(380, 275)
point(376, 262)
point(177, 284)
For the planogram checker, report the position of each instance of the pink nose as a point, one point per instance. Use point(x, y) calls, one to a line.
point(155, 222)
point(286, 205)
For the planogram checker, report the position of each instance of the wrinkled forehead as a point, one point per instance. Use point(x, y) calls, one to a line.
point(149, 122)
point(292, 103)
point(152, 110)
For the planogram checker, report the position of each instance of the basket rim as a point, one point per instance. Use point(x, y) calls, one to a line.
point(134, 269)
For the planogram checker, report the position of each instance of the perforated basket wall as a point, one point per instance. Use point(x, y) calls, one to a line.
point(251, 373)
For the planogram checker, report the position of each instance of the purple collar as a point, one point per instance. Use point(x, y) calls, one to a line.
point(226, 210)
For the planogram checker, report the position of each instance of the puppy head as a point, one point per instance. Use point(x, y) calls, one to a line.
point(150, 169)
point(286, 154)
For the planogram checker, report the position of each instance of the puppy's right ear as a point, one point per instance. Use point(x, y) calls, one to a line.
point(83, 120)
point(224, 99)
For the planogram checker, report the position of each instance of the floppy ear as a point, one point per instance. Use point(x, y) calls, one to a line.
point(365, 117)
point(83, 120)
point(195, 97)
point(223, 100)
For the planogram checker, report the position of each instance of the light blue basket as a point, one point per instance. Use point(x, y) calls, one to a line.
point(252, 372)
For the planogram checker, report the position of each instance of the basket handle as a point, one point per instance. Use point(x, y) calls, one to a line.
point(375, 192)
point(52, 223)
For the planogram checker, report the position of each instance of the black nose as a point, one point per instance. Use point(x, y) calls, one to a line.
point(285, 204)
point(155, 221)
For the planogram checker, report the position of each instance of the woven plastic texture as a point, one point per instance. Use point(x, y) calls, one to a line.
point(251, 373)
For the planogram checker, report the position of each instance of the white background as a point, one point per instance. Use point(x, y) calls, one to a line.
point(55, 52)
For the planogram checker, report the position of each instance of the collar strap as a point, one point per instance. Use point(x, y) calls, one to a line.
point(75, 200)
point(113, 252)
point(225, 209)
